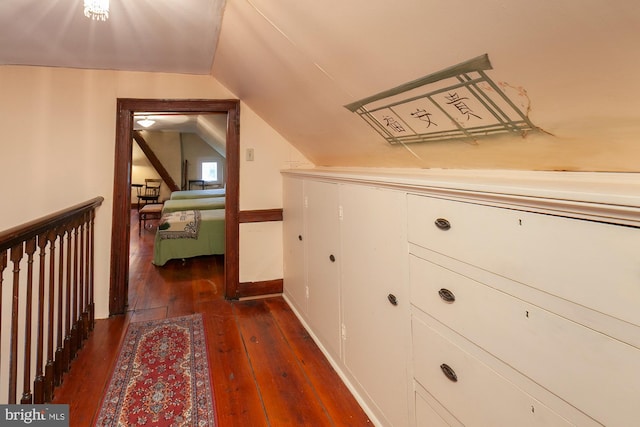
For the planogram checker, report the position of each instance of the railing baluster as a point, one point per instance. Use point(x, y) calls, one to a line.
point(92, 216)
point(3, 266)
point(49, 372)
point(60, 322)
point(66, 355)
point(16, 257)
point(82, 330)
point(38, 383)
point(73, 345)
point(30, 249)
point(62, 303)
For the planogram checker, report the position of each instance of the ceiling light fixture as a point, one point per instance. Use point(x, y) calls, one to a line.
point(146, 122)
point(98, 10)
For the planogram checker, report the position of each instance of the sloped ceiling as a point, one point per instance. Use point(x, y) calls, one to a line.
point(298, 62)
point(212, 128)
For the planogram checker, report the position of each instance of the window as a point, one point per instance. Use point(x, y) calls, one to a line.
point(210, 171)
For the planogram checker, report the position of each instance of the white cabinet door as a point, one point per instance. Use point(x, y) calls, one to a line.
point(322, 244)
point(375, 297)
point(293, 243)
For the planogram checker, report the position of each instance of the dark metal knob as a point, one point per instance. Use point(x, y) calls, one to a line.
point(332, 258)
point(442, 224)
point(392, 299)
point(446, 295)
point(300, 237)
point(449, 372)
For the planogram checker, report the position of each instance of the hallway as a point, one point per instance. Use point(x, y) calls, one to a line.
point(266, 370)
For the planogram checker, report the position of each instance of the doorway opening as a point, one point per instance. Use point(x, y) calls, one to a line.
point(126, 108)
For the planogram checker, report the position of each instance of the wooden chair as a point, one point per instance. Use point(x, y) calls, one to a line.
point(150, 192)
point(148, 212)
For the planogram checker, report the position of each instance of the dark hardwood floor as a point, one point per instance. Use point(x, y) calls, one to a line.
point(266, 369)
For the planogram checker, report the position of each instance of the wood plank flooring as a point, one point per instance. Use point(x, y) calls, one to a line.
point(266, 369)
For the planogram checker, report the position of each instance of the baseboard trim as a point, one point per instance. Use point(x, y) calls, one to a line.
point(252, 289)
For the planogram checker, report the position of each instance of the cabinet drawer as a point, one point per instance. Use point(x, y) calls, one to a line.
point(583, 367)
point(479, 396)
point(593, 264)
point(429, 412)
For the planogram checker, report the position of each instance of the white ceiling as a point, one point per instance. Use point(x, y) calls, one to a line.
point(140, 35)
point(296, 63)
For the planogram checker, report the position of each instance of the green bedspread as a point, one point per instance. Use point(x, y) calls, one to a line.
point(210, 240)
point(198, 194)
point(193, 204)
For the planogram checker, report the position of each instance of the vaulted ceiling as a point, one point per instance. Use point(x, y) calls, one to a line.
point(572, 65)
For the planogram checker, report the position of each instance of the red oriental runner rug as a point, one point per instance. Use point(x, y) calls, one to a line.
point(161, 377)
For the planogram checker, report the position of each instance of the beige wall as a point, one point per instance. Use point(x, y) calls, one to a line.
point(261, 188)
point(196, 150)
point(166, 146)
point(59, 142)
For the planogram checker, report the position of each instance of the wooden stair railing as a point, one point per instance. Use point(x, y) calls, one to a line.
point(59, 299)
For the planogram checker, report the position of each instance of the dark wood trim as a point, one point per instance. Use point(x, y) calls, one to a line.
point(16, 235)
point(232, 203)
point(119, 282)
point(29, 300)
point(155, 162)
point(261, 215)
point(266, 287)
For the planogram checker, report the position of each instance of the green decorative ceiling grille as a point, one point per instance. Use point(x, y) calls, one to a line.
point(460, 102)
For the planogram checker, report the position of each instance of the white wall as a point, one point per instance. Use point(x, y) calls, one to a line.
point(59, 142)
point(261, 188)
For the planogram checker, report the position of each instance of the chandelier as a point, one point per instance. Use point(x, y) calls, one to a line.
point(98, 10)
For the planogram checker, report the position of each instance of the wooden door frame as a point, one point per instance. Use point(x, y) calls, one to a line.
point(120, 235)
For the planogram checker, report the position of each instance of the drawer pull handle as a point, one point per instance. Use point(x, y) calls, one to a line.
point(443, 224)
point(300, 237)
point(332, 258)
point(446, 295)
point(392, 299)
point(449, 372)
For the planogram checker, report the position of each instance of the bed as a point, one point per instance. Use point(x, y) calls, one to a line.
point(206, 203)
point(173, 242)
point(198, 194)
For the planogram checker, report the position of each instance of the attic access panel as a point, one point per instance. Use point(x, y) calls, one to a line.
point(460, 102)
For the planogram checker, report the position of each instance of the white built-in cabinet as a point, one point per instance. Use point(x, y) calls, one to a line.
point(293, 243)
point(538, 305)
point(323, 259)
point(472, 299)
point(312, 257)
point(353, 294)
point(375, 298)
